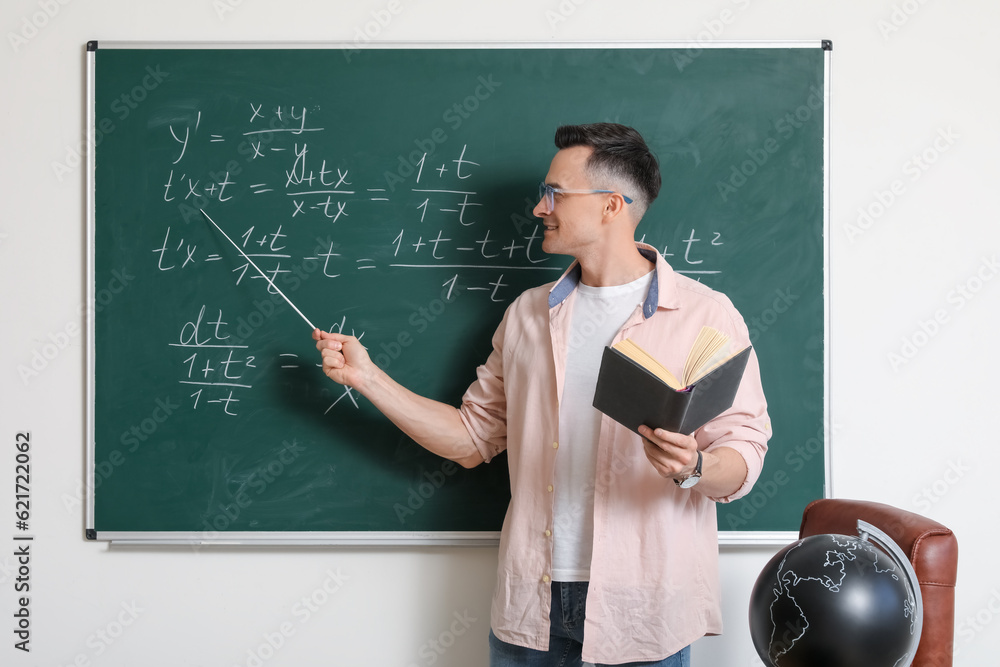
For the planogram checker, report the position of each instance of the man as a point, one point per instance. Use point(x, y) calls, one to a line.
point(604, 557)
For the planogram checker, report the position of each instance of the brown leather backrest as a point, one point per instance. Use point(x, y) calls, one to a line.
point(932, 549)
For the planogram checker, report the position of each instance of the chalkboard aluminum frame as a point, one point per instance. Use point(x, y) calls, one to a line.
point(409, 538)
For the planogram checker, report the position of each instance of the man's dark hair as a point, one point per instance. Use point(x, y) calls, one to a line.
point(621, 161)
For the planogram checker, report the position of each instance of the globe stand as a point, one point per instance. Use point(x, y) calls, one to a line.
point(868, 532)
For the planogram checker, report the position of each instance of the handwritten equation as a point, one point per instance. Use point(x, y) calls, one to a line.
point(216, 364)
point(414, 213)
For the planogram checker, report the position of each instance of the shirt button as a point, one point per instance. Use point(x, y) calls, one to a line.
point(550, 488)
point(555, 445)
point(545, 579)
point(548, 533)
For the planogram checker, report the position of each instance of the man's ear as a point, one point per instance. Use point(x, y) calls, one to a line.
point(615, 207)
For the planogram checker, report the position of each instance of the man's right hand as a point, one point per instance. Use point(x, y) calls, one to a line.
point(345, 359)
point(434, 425)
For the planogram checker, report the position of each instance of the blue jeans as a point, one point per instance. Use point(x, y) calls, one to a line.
point(569, 603)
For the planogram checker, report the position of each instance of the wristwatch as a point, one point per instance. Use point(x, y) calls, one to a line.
point(693, 478)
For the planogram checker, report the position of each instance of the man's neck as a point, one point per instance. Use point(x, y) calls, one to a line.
point(615, 265)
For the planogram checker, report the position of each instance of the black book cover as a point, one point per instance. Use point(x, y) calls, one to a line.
point(632, 395)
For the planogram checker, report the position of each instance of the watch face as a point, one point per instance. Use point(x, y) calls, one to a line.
point(690, 481)
point(695, 476)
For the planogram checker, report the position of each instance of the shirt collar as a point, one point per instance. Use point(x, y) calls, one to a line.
point(662, 290)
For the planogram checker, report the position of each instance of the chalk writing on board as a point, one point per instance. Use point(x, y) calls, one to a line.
point(444, 228)
point(217, 367)
point(692, 255)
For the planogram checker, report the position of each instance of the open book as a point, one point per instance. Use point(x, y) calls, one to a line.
point(633, 388)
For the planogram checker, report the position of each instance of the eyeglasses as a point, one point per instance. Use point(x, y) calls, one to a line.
point(547, 193)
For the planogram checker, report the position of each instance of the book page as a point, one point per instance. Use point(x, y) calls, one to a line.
point(710, 348)
point(631, 349)
point(709, 359)
point(709, 351)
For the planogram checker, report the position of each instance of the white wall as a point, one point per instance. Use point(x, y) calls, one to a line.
point(920, 435)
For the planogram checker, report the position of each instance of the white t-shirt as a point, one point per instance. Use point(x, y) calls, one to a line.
point(598, 314)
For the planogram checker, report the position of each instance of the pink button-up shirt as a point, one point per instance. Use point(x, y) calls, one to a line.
point(654, 584)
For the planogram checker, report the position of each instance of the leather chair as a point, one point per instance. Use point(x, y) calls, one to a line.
point(931, 548)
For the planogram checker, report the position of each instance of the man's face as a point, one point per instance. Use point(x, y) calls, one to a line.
point(573, 224)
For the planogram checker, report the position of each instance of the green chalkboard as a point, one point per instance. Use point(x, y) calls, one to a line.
point(388, 194)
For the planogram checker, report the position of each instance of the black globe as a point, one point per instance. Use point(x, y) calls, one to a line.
point(832, 601)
